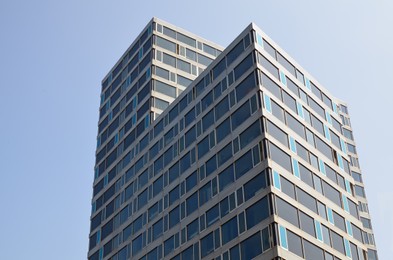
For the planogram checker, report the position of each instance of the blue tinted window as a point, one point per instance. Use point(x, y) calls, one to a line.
point(240, 115)
point(157, 229)
point(192, 203)
point(251, 247)
point(243, 66)
point(226, 177)
point(222, 108)
point(250, 134)
point(212, 215)
point(207, 245)
point(254, 185)
point(225, 154)
point(257, 212)
point(229, 230)
point(203, 147)
point(243, 164)
point(191, 181)
point(192, 229)
point(174, 217)
point(205, 193)
point(223, 130)
point(208, 120)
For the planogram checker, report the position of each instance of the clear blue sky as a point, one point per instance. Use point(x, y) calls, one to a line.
point(53, 55)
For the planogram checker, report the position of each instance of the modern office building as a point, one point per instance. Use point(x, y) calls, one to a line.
point(205, 153)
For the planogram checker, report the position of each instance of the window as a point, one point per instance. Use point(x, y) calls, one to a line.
point(169, 60)
point(224, 154)
point(287, 187)
point(157, 229)
point(296, 126)
point(280, 157)
point(277, 111)
point(168, 45)
point(250, 134)
point(243, 66)
point(243, 164)
point(183, 81)
point(229, 230)
point(222, 130)
point(226, 177)
point(137, 244)
point(337, 242)
point(286, 64)
point(212, 215)
point(165, 89)
point(192, 203)
point(331, 193)
point(207, 245)
point(311, 251)
point(251, 247)
point(339, 221)
point(306, 199)
point(289, 101)
point(317, 124)
point(266, 64)
point(254, 185)
point(316, 107)
point(191, 181)
point(240, 115)
point(205, 193)
point(208, 120)
point(270, 85)
point(277, 133)
point(174, 217)
point(294, 243)
point(307, 223)
point(257, 212)
point(287, 211)
point(306, 175)
point(192, 229)
point(246, 86)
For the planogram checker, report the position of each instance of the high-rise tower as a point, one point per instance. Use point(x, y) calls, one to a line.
point(232, 155)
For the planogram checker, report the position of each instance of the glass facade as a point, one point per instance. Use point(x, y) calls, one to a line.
point(223, 154)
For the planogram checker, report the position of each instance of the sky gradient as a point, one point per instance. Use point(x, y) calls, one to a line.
point(54, 55)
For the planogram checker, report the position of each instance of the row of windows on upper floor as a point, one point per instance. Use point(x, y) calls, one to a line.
point(279, 92)
point(238, 93)
point(295, 72)
point(232, 55)
point(181, 51)
point(304, 132)
point(186, 39)
point(205, 193)
point(132, 53)
point(179, 167)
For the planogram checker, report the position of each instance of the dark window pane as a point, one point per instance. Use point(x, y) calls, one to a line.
point(257, 212)
point(251, 247)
